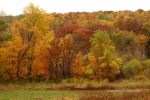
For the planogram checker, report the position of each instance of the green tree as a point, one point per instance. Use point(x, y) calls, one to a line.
point(104, 64)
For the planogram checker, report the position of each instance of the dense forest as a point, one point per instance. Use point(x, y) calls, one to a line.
point(40, 46)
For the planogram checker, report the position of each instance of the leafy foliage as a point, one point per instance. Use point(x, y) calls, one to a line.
point(99, 45)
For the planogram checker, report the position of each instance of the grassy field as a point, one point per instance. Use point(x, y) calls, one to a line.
point(124, 90)
point(38, 94)
point(74, 95)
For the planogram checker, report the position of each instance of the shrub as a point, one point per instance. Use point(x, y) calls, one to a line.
point(122, 40)
point(132, 68)
point(146, 68)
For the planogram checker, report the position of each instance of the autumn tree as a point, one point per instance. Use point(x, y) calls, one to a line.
point(68, 28)
point(61, 58)
point(104, 63)
point(56, 22)
point(147, 47)
point(31, 29)
point(3, 24)
point(9, 59)
point(146, 28)
point(67, 55)
point(127, 21)
point(78, 68)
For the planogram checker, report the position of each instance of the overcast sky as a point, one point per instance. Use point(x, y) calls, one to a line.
point(15, 7)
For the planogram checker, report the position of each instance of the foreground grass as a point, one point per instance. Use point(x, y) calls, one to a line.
point(92, 90)
point(38, 94)
point(74, 95)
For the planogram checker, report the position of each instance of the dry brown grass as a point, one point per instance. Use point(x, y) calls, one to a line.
point(103, 85)
point(85, 85)
point(144, 95)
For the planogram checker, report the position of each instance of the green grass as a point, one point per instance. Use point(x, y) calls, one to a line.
point(21, 94)
point(37, 94)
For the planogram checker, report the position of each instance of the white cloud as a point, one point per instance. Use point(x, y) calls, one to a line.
point(16, 6)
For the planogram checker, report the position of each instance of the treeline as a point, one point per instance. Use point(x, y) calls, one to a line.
point(98, 45)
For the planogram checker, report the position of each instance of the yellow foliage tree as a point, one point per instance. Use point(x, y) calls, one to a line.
point(32, 28)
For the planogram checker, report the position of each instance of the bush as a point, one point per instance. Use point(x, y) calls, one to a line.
point(137, 70)
point(146, 68)
point(122, 40)
point(132, 68)
point(74, 80)
point(146, 64)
